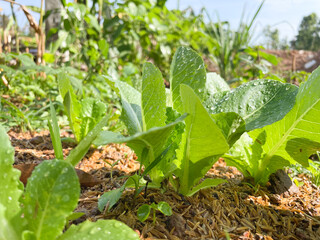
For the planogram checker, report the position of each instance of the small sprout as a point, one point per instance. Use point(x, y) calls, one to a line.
point(144, 210)
point(112, 165)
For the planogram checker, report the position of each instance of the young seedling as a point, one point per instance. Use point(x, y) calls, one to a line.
point(137, 181)
point(111, 165)
point(144, 210)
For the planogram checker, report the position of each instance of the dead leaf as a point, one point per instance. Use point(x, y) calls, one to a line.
point(85, 179)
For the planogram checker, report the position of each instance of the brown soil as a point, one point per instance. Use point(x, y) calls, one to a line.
point(289, 61)
point(296, 60)
point(231, 209)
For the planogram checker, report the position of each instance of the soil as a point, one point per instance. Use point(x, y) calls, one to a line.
point(232, 210)
point(295, 60)
point(289, 61)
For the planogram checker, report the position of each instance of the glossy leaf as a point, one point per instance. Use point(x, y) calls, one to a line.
point(231, 125)
point(101, 229)
point(11, 188)
point(202, 142)
point(143, 212)
point(259, 102)
point(187, 68)
point(52, 194)
point(276, 144)
point(165, 208)
point(216, 84)
point(153, 98)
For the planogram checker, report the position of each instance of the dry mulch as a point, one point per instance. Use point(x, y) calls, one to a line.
point(233, 209)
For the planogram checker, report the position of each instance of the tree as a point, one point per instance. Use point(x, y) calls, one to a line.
point(308, 36)
point(273, 40)
point(272, 37)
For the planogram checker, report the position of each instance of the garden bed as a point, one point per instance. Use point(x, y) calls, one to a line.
point(231, 209)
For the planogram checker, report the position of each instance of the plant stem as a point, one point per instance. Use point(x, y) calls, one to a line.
point(154, 216)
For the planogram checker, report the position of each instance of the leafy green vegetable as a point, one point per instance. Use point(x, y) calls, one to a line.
point(259, 102)
point(131, 105)
point(11, 188)
point(267, 149)
point(52, 200)
point(51, 195)
point(145, 117)
point(71, 104)
point(202, 143)
point(92, 111)
point(188, 68)
point(153, 142)
point(78, 153)
point(192, 148)
point(215, 84)
point(153, 91)
point(102, 229)
point(83, 115)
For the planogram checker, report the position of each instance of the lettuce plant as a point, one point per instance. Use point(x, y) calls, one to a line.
point(40, 210)
point(217, 117)
point(82, 115)
point(290, 140)
point(145, 117)
point(152, 119)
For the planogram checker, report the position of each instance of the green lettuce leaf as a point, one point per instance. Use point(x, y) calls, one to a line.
point(51, 195)
point(188, 68)
point(202, 142)
point(101, 229)
point(247, 156)
point(71, 104)
point(131, 105)
point(82, 148)
point(231, 125)
point(259, 102)
point(215, 84)
point(147, 145)
point(153, 98)
point(10, 191)
point(92, 111)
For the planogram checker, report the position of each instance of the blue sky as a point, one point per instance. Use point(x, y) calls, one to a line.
point(285, 15)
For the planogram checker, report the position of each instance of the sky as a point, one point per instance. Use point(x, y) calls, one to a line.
point(285, 15)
